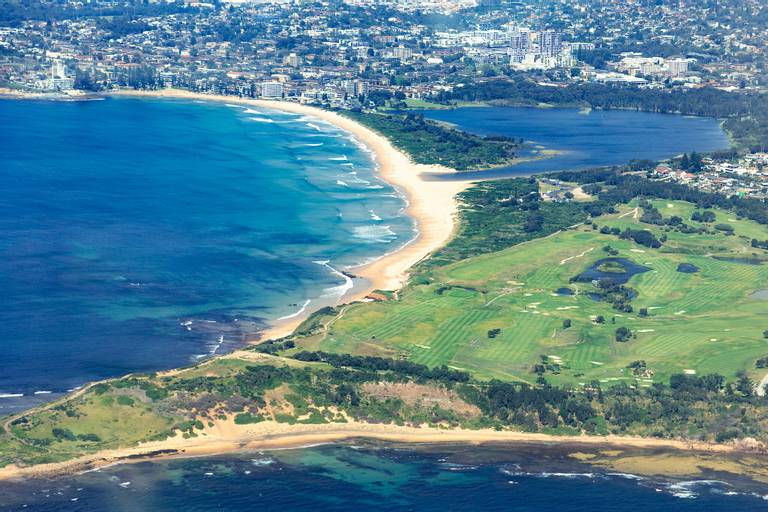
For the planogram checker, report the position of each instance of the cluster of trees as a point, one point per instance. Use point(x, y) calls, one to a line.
point(618, 295)
point(639, 236)
point(427, 142)
point(404, 368)
point(703, 216)
point(691, 164)
point(14, 12)
point(623, 334)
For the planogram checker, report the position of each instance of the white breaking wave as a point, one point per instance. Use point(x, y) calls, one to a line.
point(313, 145)
point(233, 105)
point(253, 111)
point(341, 183)
point(687, 489)
point(337, 291)
point(341, 158)
point(374, 234)
point(300, 311)
point(11, 395)
point(313, 125)
point(43, 392)
point(374, 216)
point(261, 119)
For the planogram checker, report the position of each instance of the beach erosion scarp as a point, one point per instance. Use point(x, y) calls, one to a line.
point(431, 204)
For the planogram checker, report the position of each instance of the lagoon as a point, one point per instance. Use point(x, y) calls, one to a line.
point(595, 139)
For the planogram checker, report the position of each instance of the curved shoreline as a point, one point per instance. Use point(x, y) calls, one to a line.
point(226, 437)
point(431, 204)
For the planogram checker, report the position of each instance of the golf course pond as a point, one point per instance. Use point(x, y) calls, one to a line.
point(615, 270)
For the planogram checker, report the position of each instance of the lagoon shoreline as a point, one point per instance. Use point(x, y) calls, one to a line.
point(431, 204)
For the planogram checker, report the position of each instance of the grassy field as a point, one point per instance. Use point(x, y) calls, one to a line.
point(703, 322)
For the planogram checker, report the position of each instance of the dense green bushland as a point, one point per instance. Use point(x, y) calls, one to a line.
point(428, 142)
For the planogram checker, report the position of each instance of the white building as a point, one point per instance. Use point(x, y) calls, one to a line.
point(271, 90)
point(58, 79)
point(677, 67)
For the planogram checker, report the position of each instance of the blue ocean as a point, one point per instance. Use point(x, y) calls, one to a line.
point(379, 478)
point(138, 235)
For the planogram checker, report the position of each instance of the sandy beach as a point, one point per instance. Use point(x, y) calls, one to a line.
point(227, 437)
point(432, 204)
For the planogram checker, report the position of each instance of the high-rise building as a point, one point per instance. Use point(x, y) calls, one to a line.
point(677, 67)
point(402, 53)
point(58, 79)
point(272, 90)
point(549, 42)
point(292, 60)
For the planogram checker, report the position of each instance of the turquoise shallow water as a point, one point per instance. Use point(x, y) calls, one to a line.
point(381, 478)
point(137, 234)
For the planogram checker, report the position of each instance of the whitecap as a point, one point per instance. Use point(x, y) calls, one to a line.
point(686, 490)
point(565, 475)
point(374, 233)
point(340, 290)
point(261, 119)
point(452, 466)
point(628, 476)
point(312, 125)
point(300, 311)
point(253, 111)
point(341, 183)
point(11, 395)
point(313, 145)
point(215, 347)
point(43, 392)
point(374, 216)
point(262, 462)
point(339, 158)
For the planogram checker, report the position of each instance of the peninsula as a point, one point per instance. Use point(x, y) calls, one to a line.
point(498, 336)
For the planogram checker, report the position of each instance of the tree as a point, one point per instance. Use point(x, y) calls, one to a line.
point(600, 319)
point(643, 312)
point(744, 385)
point(566, 323)
point(623, 334)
